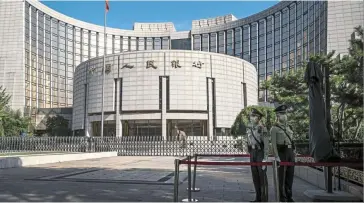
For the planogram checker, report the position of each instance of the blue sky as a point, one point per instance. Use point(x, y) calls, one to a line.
point(123, 14)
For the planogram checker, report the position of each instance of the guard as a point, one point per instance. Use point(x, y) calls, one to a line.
point(258, 143)
point(283, 150)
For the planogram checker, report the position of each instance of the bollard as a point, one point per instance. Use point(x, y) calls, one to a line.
point(176, 180)
point(189, 199)
point(275, 179)
point(329, 179)
point(194, 189)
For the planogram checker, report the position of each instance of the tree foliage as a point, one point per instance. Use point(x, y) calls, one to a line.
point(241, 121)
point(290, 89)
point(347, 89)
point(346, 80)
point(11, 122)
point(57, 126)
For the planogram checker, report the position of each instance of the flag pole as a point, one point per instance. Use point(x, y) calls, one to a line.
point(103, 77)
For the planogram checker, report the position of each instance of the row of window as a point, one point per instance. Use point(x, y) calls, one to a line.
point(54, 49)
point(276, 44)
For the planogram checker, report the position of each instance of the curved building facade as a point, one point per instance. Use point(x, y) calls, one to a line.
point(40, 48)
point(150, 92)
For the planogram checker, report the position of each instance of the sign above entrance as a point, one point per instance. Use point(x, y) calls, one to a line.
point(150, 64)
point(127, 66)
point(175, 64)
point(197, 64)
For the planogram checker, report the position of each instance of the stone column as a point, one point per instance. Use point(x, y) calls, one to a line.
point(88, 126)
point(210, 121)
point(119, 126)
point(164, 108)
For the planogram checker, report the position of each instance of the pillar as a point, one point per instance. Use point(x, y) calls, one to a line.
point(210, 129)
point(118, 123)
point(164, 108)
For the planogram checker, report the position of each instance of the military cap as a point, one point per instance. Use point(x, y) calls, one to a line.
point(256, 112)
point(281, 109)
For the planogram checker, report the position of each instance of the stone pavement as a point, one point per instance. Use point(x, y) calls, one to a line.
point(147, 179)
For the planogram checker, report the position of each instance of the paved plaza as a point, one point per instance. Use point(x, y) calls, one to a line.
point(131, 179)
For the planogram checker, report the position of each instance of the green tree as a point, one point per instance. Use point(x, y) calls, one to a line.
point(347, 89)
point(11, 122)
point(57, 126)
point(4, 101)
point(241, 121)
point(239, 128)
point(290, 89)
point(346, 79)
point(14, 123)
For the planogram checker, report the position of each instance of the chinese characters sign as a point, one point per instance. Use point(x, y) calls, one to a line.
point(174, 64)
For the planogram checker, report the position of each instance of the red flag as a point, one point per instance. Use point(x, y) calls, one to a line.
point(107, 5)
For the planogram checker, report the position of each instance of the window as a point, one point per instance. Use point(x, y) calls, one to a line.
point(213, 41)
point(238, 41)
point(221, 42)
point(117, 44)
point(132, 44)
point(149, 43)
point(109, 44)
point(165, 43)
point(197, 42)
point(125, 44)
point(205, 42)
point(157, 43)
point(229, 42)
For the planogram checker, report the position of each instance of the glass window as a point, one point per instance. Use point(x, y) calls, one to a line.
point(262, 34)
point(101, 44)
point(269, 66)
point(165, 43)
point(93, 47)
point(229, 42)
point(261, 70)
point(238, 42)
point(246, 43)
point(109, 44)
point(254, 44)
point(141, 45)
point(277, 65)
point(149, 43)
point(291, 60)
point(132, 44)
point(85, 37)
point(197, 42)
point(157, 43)
point(125, 44)
point(205, 42)
point(117, 44)
point(213, 41)
point(221, 42)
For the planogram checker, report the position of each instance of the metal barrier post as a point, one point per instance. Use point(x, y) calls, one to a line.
point(275, 179)
point(325, 177)
point(329, 179)
point(176, 179)
point(194, 189)
point(189, 189)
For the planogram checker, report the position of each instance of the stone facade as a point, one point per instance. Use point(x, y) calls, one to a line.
point(164, 85)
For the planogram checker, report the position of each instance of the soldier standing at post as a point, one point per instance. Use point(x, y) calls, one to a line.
point(258, 143)
point(283, 150)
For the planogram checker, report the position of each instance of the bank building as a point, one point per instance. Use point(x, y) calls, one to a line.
point(157, 78)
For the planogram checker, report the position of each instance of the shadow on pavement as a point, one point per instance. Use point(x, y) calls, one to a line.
point(95, 180)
